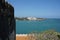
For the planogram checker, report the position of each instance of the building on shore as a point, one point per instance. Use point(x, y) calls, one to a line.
point(31, 18)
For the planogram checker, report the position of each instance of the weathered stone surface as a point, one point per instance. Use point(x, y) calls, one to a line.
point(7, 20)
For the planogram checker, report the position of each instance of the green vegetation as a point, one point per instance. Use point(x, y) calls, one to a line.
point(46, 35)
point(20, 18)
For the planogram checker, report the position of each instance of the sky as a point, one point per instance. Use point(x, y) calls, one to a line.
point(36, 8)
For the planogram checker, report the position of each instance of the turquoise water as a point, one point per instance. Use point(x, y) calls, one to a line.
point(30, 26)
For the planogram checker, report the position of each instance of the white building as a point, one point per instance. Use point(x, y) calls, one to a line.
point(31, 18)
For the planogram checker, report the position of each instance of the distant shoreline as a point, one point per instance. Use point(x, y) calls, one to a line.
point(29, 18)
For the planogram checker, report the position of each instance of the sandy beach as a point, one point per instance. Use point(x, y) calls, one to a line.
point(22, 38)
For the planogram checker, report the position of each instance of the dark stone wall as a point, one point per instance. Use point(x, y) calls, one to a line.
point(7, 20)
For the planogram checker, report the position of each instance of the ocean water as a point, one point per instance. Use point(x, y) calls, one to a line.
point(23, 27)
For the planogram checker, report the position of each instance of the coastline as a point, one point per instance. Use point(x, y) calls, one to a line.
point(42, 36)
point(29, 18)
point(23, 36)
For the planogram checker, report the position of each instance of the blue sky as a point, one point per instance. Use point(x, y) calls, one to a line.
point(36, 8)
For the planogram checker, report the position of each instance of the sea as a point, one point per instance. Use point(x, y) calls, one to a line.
point(24, 27)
